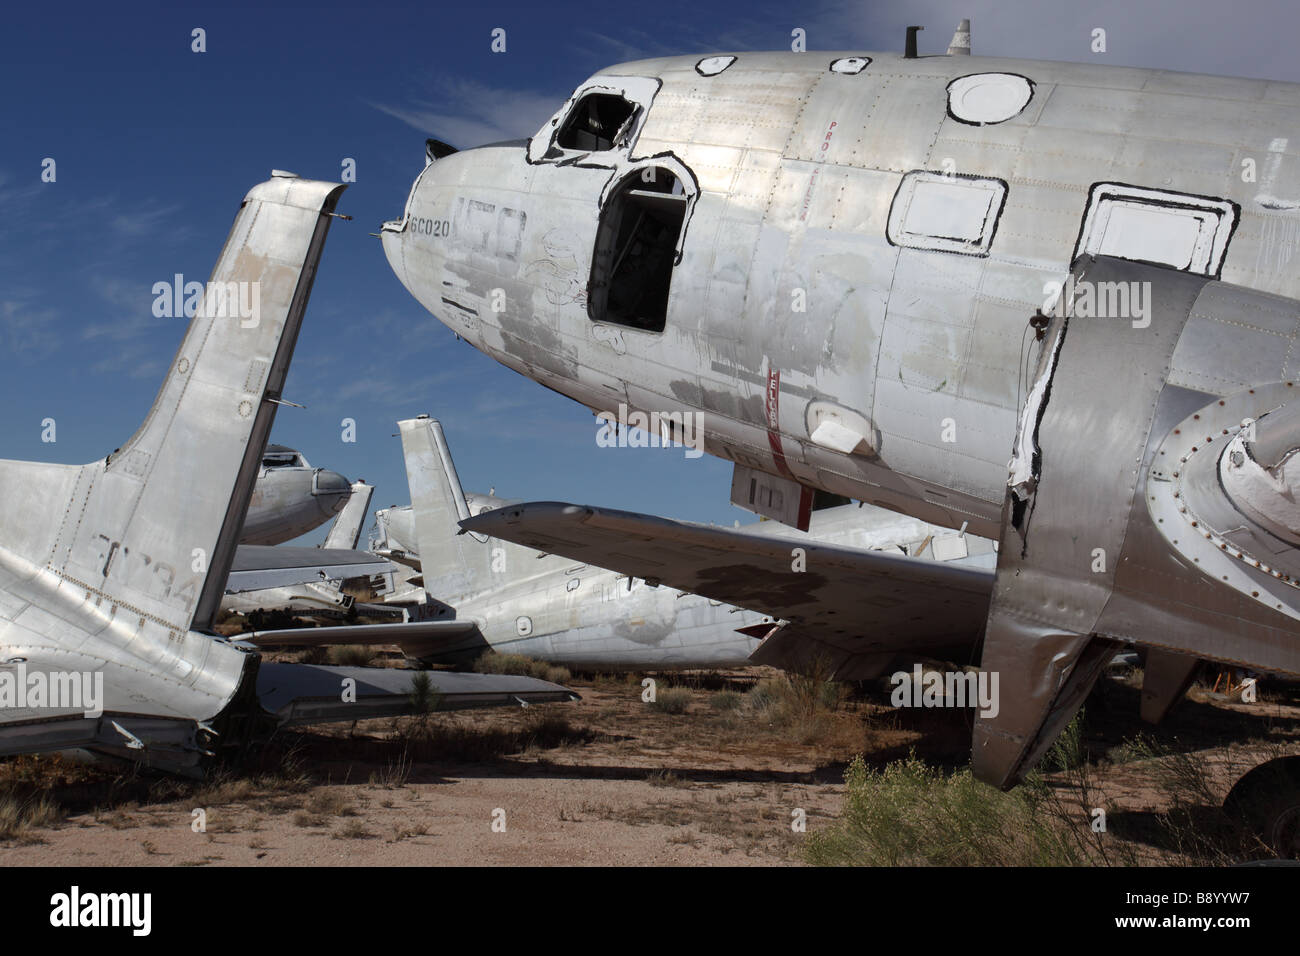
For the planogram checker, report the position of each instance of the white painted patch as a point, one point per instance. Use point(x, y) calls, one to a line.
point(851, 65)
point(831, 434)
point(983, 98)
point(848, 432)
point(713, 65)
point(946, 213)
point(1023, 480)
point(1153, 225)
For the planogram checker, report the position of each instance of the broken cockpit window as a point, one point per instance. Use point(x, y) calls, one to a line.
point(595, 122)
point(636, 250)
point(281, 456)
point(599, 124)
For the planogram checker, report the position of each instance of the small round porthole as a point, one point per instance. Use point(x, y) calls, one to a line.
point(523, 626)
point(572, 584)
point(852, 65)
point(984, 98)
point(713, 65)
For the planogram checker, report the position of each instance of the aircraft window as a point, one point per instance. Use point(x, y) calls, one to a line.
point(636, 250)
point(479, 222)
point(489, 228)
point(984, 98)
point(946, 212)
point(281, 460)
point(510, 233)
point(713, 65)
point(1187, 232)
point(595, 122)
point(852, 65)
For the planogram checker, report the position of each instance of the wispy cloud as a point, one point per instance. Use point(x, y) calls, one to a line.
point(130, 311)
point(629, 44)
point(138, 360)
point(14, 191)
point(28, 329)
point(146, 218)
point(469, 113)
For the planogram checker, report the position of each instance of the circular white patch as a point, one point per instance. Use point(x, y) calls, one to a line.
point(850, 64)
point(713, 65)
point(983, 98)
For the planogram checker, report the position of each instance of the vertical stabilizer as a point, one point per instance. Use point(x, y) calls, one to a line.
point(118, 566)
point(454, 565)
point(151, 529)
point(345, 532)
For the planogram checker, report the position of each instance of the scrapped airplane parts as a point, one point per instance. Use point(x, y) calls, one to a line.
point(1170, 559)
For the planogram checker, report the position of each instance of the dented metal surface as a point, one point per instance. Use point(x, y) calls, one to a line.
point(790, 292)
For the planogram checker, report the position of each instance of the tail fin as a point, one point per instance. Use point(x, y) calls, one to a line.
point(453, 565)
point(151, 529)
point(345, 532)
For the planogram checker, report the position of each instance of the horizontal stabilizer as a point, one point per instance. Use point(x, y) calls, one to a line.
point(417, 639)
point(258, 566)
point(317, 693)
point(855, 604)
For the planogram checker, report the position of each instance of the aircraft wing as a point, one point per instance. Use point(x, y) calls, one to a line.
point(416, 638)
point(855, 609)
point(130, 722)
point(258, 566)
point(316, 693)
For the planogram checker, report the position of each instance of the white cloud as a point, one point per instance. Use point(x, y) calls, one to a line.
point(143, 219)
point(467, 113)
point(28, 330)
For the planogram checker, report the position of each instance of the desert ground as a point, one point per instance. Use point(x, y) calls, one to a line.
point(735, 768)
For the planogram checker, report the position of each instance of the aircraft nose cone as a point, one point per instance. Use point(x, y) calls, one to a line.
point(392, 243)
point(330, 489)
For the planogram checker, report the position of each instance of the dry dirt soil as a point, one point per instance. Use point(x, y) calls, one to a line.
point(607, 780)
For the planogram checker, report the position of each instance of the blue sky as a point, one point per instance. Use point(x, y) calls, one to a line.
point(155, 145)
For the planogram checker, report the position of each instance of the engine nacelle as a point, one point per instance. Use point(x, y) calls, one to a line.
point(1150, 503)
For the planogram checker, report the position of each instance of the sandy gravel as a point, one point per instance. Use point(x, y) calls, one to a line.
point(622, 784)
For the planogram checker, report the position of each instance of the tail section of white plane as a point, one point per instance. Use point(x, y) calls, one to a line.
point(154, 524)
point(453, 564)
point(111, 572)
point(118, 566)
point(345, 532)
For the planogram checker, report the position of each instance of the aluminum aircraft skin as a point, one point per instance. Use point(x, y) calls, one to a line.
point(291, 497)
point(490, 593)
point(111, 573)
point(836, 261)
point(304, 579)
point(494, 594)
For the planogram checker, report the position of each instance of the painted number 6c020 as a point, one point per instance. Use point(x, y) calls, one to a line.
point(439, 228)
